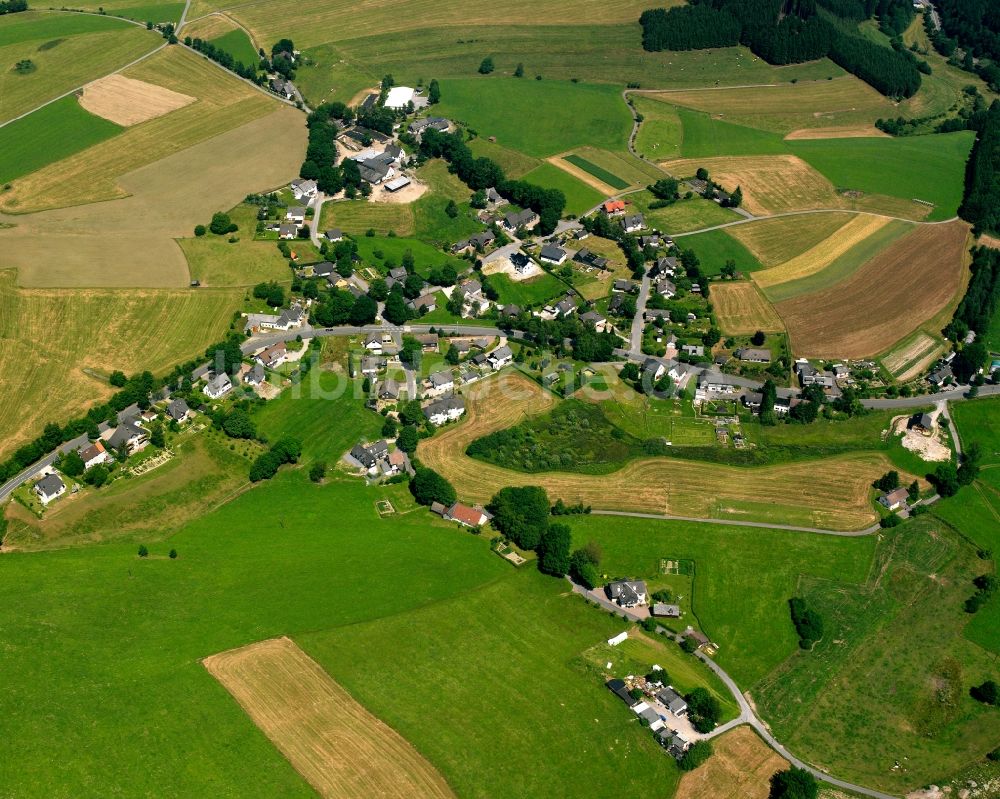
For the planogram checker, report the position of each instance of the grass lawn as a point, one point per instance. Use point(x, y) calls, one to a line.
point(513, 656)
point(323, 412)
point(705, 137)
point(278, 560)
point(660, 132)
point(358, 216)
point(598, 172)
point(515, 164)
point(928, 168)
point(579, 196)
point(898, 636)
point(979, 421)
point(533, 292)
point(683, 215)
point(66, 50)
point(394, 248)
point(575, 114)
point(239, 46)
point(50, 134)
point(716, 247)
point(431, 220)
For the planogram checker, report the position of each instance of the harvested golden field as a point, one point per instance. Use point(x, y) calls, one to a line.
point(131, 242)
point(340, 748)
point(210, 27)
point(742, 309)
point(126, 101)
point(50, 339)
point(823, 254)
point(222, 103)
point(845, 102)
point(892, 295)
point(741, 767)
point(850, 132)
point(312, 22)
point(775, 241)
point(830, 494)
point(771, 184)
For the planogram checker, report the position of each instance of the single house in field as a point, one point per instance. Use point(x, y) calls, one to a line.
point(130, 436)
point(50, 487)
point(666, 611)
point(753, 355)
point(335, 234)
point(500, 357)
point(588, 258)
point(552, 254)
point(94, 455)
point(627, 593)
point(296, 214)
point(613, 207)
point(304, 189)
point(218, 386)
point(288, 231)
point(282, 88)
point(923, 423)
point(444, 410)
point(526, 219)
point(463, 514)
point(273, 356)
point(633, 223)
point(894, 500)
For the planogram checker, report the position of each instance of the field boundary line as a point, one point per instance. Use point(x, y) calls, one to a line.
point(739, 523)
point(811, 211)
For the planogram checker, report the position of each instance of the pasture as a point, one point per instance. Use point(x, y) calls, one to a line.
point(897, 636)
point(580, 197)
point(315, 724)
point(798, 493)
point(741, 767)
point(533, 292)
point(777, 241)
point(515, 164)
point(715, 247)
point(626, 166)
point(576, 114)
point(708, 136)
point(238, 45)
point(599, 172)
point(302, 548)
point(222, 103)
point(660, 132)
point(742, 310)
point(864, 314)
point(137, 10)
point(41, 137)
point(683, 216)
point(57, 336)
point(67, 50)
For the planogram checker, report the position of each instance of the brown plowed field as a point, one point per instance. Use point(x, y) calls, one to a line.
point(888, 298)
point(833, 492)
point(339, 747)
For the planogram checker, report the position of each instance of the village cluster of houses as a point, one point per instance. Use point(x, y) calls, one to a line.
point(659, 705)
point(379, 461)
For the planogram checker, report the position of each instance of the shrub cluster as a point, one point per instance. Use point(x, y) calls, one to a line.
point(285, 450)
point(808, 623)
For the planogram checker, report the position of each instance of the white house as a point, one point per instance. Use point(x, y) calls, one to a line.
point(633, 223)
point(218, 386)
point(304, 189)
point(440, 383)
point(444, 410)
point(500, 357)
point(399, 97)
point(50, 487)
point(94, 455)
point(627, 593)
point(288, 231)
point(179, 411)
point(463, 514)
point(273, 356)
point(552, 254)
point(296, 213)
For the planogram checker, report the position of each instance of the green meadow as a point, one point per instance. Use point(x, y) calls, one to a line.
point(539, 118)
point(682, 216)
point(598, 172)
point(705, 137)
point(382, 251)
point(579, 196)
point(50, 134)
point(716, 247)
point(16, 28)
point(239, 46)
point(536, 291)
point(151, 12)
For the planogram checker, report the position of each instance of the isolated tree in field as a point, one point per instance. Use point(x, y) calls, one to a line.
point(698, 753)
point(173, 554)
point(795, 783)
point(969, 470)
point(945, 479)
point(408, 439)
point(554, 557)
point(434, 92)
point(451, 209)
point(428, 486)
point(317, 471)
point(701, 173)
point(988, 693)
point(72, 463)
point(143, 552)
point(583, 567)
point(665, 189)
point(808, 623)
point(486, 66)
point(729, 271)
point(519, 70)
point(220, 223)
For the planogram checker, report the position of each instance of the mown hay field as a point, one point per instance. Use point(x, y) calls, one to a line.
point(634, 171)
point(67, 51)
point(741, 767)
point(223, 103)
point(54, 336)
point(358, 216)
point(137, 10)
point(831, 494)
point(892, 295)
point(742, 309)
point(126, 101)
point(776, 241)
point(824, 253)
point(338, 746)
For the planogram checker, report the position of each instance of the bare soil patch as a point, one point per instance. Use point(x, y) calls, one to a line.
point(331, 740)
point(742, 309)
point(888, 298)
point(127, 101)
point(847, 132)
point(405, 195)
point(929, 448)
point(580, 174)
point(741, 767)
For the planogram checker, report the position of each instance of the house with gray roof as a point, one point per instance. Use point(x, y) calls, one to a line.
point(218, 386)
point(627, 593)
point(500, 357)
point(50, 487)
point(129, 435)
point(632, 223)
point(753, 355)
point(526, 219)
point(178, 411)
point(444, 410)
point(552, 254)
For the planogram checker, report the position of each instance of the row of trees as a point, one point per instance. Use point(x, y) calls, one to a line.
point(788, 32)
point(981, 204)
point(225, 59)
point(482, 173)
point(13, 6)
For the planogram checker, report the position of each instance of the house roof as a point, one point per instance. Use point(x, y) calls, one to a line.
point(50, 484)
point(443, 378)
point(444, 406)
point(611, 206)
point(124, 433)
point(753, 354)
point(177, 409)
point(519, 218)
point(897, 495)
point(255, 375)
point(500, 353)
point(92, 451)
point(552, 253)
point(389, 389)
point(465, 514)
point(592, 316)
point(334, 234)
point(634, 220)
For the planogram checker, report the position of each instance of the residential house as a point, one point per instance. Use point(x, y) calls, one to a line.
point(652, 240)
point(753, 355)
point(651, 717)
point(282, 88)
point(526, 219)
point(894, 500)
point(288, 318)
point(473, 300)
point(324, 269)
point(617, 304)
point(922, 423)
point(370, 455)
point(334, 234)
point(304, 189)
point(675, 744)
point(218, 386)
point(374, 171)
point(388, 390)
point(470, 517)
point(633, 223)
point(810, 376)
point(179, 411)
point(288, 231)
point(418, 126)
point(493, 198)
point(478, 242)
point(588, 258)
point(594, 318)
point(272, 357)
point(694, 350)
point(130, 436)
point(713, 384)
point(296, 214)
point(840, 371)
point(500, 357)
point(666, 611)
point(510, 310)
point(254, 376)
point(627, 593)
point(665, 288)
point(371, 366)
point(565, 306)
point(613, 208)
point(941, 376)
point(428, 342)
point(50, 487)
point(522, 263)
point(373, 343)
point(438, 383)
point(552, 254)
point(672, 701)
point(423, 304)
point(625, 286)
point(94, 455)
point(652, 370)
point(396, 462)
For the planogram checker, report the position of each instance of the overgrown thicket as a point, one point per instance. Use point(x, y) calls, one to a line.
point(808, 623)
point(794, 31)
point(482, 173)
point(982, 296)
